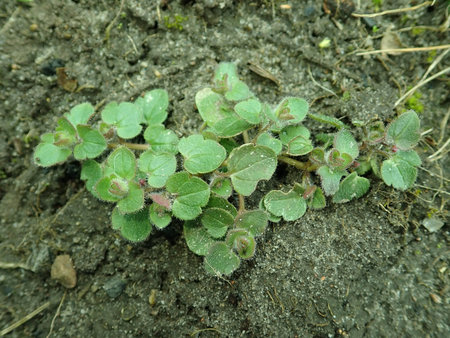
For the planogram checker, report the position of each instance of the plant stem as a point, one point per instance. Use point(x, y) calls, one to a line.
point(245, 136)
point(295, 163)
point(241, 204)
point(134, 146)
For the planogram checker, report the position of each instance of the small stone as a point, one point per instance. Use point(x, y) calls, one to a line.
point(64, 272)
point(114, 286)
point(432, 224)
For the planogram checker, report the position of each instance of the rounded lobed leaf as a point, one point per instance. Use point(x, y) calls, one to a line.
point(346, 143)
point(133, 201)
point(91, 172)
point(133, 227)
point(80, 114)
point(249, 110)
point(241, 241)
point(159, 216)
point(353, 186)
point(292, 110)
point(161, 139)
point(216, 221)
point(92, 143)
point(249, 164)
point(296, 138)
point(400, 170)
point(330, 179)
point(222, 203)
point(122, 162)
point(404, 131)
point(291, 206)
point(254, 221)
point(153, 106)
point(192, 194)
point(221, 186)
point(47, 154)
point(200, 155)
point(158, 166)
point(265, 139)
point(126, 117)
point(197, 238)
point(221, 259)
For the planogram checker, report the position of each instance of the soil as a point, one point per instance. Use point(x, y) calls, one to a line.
point(367, 268)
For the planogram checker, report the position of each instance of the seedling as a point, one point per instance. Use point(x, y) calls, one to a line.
point(241, 144)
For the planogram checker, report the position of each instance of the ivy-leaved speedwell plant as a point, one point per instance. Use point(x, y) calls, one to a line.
point(241, 143)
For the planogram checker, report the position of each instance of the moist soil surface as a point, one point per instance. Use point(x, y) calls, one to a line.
point(367, 268)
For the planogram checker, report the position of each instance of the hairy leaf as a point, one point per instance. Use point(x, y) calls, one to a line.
point(126, 117)
point(221, 259)
point(133, 227)
point(330, 179)
point(400, 170)
point(200, 155)
point(122, 162)
point(159, 216)
point(153, 106)
point(158, 166)
point(197, 238)
point(254, 221)
point(404, 131)
point(249, 110)
point(346, 143)
point(92, 143)
point(80, 114)
point(216, 221)
point(353, 186)
point(291, 206)
point(161, 139)
point(249, 164)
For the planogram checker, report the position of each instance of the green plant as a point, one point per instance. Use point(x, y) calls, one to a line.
point(241, 143)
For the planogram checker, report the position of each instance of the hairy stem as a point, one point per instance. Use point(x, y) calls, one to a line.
point(134, 146)
point(241, 204)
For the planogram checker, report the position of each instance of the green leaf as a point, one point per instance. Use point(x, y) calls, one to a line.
point(158, 166)
point(297, 140)
point(248, 165)
point(271, 217)
point(330, 179)
point(400, 170)
point(292, 110)
point(328, 119)
point(230, 126)
point(221, 259)
point(159, 216)
point(222, 187)
point(126, 117)
point(122, 162)
point(404, 131)
point(249, 110)
point(200, 155)
point(216, 221)
point(241, 241)
point(197, 238)
point(265, 139)
point(133, 201)
point(103, 189)
point(346, 143)
point(65, 133)
point(218, 115)
point(80, 114)
point(47, 154)
point(133, 227)
point(318, 201)
point(291, 206)
point(92, 143)
point(351, 187)
point(254, 221)
point(153, 106)
point(238, 91)
point(161, 139)
point(192, 194)
point(222, 203)
point(91, 172)
point(225, 75)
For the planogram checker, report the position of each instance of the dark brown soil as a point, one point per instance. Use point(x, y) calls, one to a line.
point(363, 269)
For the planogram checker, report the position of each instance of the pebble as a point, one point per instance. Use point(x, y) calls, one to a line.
point(64, 272)
point(114, 286)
